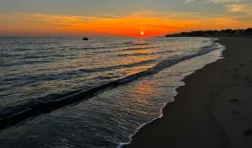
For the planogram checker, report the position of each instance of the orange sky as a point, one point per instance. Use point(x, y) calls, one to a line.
point(132, 25)
point(214, 14)
point(120, 18)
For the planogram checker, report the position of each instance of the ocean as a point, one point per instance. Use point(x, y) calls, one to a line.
point(66, 92)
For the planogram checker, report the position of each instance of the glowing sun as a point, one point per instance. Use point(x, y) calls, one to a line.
point(142, 33)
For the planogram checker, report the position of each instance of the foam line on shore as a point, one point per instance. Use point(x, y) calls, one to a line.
point(122, 145)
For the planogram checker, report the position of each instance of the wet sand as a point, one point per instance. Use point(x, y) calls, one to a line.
point(213, 109)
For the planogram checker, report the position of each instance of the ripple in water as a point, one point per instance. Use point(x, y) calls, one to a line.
point(112, 117)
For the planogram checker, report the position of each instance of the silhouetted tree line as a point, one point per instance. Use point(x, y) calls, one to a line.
point(224, 32)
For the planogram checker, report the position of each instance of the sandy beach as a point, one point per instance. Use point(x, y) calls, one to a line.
point(213, 109)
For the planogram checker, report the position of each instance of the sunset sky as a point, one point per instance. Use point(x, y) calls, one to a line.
point(120, 17)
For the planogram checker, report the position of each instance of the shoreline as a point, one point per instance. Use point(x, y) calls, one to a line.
point(209, 57)
point(204, 119)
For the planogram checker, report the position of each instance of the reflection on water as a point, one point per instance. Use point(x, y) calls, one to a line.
point(107, 119)
point(142, 92)
point(65, 65)
point(145, 88)
point(37, 67)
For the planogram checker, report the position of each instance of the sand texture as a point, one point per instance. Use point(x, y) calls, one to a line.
point(213, 109)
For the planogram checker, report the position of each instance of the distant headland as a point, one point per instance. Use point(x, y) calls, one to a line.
point(213, 33)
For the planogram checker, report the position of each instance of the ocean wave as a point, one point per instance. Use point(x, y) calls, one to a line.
point(117, 66)
point(136, 43)
point(137, 48)
point(22, 49)
point(89, 48)
point(14, 114)
point(24, 63)
point(142, 54)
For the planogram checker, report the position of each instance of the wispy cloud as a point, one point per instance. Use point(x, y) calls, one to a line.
point(188, 1)
point(214, 1)
point(245, 8)
point(227, 1)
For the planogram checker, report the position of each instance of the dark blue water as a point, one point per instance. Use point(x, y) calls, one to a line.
point(130, 81)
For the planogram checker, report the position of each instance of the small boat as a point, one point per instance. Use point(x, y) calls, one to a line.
point(85, 39)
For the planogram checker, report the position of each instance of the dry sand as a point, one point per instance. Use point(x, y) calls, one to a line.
point(203, 116)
